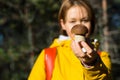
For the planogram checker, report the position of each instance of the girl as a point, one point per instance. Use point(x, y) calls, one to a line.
point(71, 63)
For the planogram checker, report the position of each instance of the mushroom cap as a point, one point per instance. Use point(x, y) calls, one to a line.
point(79, 29)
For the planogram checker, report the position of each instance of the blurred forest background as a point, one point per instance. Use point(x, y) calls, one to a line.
point(28, 26)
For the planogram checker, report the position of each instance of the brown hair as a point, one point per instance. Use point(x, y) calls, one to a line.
point(67, 4)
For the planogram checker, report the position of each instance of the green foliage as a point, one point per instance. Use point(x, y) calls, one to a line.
point(117, 1)
point(13, 65)
point(25, 25)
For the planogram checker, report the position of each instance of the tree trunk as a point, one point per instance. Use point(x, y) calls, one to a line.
point(30, 35)
point(105, 26)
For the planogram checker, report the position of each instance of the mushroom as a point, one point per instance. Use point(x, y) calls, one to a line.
point(79, 31)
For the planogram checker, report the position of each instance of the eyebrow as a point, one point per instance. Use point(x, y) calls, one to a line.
point(72, 18)
point(85, 18)
point(81, 18)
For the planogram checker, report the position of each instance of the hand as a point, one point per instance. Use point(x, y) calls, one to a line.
point(89, 56)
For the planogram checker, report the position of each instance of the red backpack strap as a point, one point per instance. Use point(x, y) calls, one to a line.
point(99, 53)
point(50, 54)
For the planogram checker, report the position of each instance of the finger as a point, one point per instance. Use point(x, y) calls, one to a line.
point(73, 46)
point(87, 47)
point(79, 49)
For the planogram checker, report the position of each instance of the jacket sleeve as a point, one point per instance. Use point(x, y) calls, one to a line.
point(101, 70)
point(38, 70)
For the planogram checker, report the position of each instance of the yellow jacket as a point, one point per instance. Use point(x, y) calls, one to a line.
point(68, 66)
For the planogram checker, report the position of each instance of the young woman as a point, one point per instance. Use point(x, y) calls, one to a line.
point(71, 63)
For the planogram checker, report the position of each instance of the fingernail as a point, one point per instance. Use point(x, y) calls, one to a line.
point(84, 50)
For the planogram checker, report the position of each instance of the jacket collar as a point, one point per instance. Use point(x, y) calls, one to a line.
point(61, 41)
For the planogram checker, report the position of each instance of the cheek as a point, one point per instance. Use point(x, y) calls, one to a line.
point(89, 31)
point(68, 30)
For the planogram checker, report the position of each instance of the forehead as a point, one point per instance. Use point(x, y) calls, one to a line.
point(77, 12)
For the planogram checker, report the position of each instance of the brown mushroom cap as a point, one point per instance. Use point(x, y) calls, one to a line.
point(79, 30)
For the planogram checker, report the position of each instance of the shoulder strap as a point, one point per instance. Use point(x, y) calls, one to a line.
point(50, 54)
point(99, 53)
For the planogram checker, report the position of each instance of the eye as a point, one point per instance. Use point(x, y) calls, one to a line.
point(72, 21)
point(85, 20)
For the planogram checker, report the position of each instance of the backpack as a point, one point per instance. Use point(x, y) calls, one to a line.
point(50, 54)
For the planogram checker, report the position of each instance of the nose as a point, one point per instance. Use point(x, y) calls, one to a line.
point(78, 22)
point(81, 22)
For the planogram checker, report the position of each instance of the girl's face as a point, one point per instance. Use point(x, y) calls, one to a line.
point(76, 15)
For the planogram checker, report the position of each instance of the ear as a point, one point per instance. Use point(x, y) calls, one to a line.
point(62, 24)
